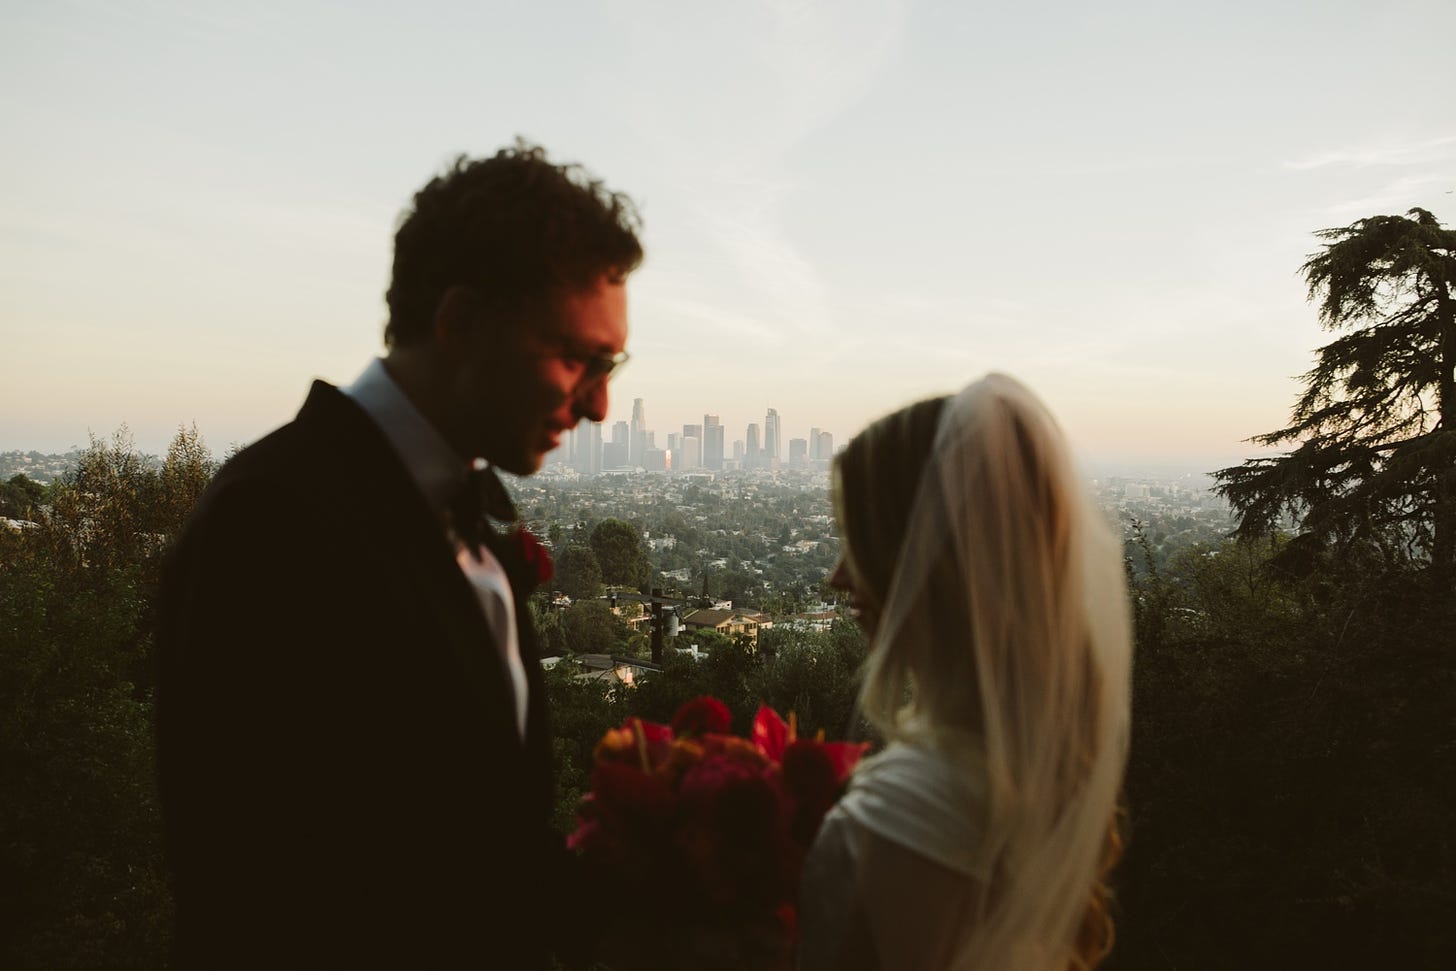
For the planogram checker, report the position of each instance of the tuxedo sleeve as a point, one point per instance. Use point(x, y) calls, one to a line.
point(267, 718)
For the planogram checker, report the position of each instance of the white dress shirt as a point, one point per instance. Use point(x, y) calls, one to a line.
point(438, 472)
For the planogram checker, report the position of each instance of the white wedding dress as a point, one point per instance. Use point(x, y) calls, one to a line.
point(893, 879)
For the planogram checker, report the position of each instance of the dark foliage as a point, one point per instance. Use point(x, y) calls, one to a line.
point(21, 497)
point(1291, 777)
point(82, 878)
point(578, 574)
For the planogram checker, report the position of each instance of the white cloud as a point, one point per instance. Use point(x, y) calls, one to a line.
point(1409, 153)
point(1397, 196)
point(711, 318)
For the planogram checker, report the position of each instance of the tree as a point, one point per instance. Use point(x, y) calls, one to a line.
point(816, 676)
point(592, 628)
point(578, 575)
point(186, 471)
point(84, 882)
point(618, 547)
point(738, 584)
point(20, 497)
point(1376, 424)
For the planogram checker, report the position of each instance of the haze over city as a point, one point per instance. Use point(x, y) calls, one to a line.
point(846, 205)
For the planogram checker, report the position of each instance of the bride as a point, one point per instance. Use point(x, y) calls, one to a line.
point(993, 595)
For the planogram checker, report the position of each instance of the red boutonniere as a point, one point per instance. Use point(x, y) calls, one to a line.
point(536, 557)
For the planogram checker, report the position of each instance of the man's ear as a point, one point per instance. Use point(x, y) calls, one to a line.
point(459, 316)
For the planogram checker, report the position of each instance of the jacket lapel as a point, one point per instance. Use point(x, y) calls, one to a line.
point(378, 496)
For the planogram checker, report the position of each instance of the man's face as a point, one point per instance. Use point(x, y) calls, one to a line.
point(532, 379)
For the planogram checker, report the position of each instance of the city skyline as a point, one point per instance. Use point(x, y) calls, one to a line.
point(847, 206)
point(631, 444)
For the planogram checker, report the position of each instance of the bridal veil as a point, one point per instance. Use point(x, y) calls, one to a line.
point(1003, 642)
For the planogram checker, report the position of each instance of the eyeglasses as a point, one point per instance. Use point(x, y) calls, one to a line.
point(596, 367)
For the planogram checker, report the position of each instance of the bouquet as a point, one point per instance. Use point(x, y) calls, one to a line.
point(705, 833)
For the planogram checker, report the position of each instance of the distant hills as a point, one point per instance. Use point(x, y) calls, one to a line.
point(45, 467)
point(37, 466)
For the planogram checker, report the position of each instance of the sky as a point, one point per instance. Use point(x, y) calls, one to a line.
point(847, 204)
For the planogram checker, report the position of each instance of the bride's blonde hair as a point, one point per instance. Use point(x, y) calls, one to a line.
point(1001, 632)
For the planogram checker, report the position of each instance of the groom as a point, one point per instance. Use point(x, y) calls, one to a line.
point(355, 760)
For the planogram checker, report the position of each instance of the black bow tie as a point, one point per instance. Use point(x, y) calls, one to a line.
point(480, 500)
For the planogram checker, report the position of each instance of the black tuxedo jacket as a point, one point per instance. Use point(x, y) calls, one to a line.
point(343, 783)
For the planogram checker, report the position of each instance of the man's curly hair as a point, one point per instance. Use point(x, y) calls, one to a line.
point(516, 227)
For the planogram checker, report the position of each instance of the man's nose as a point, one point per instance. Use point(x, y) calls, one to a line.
point(591, 402)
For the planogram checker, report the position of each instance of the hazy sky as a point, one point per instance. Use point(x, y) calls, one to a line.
point(848, 205)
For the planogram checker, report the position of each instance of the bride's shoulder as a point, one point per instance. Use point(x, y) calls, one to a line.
point(930, 799)
point(956, 763)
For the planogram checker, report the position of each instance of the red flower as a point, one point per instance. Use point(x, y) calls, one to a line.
point(813, 774)
point(711, 825)
point(844, 755)
point(809, 772)
point(535, 556)
point(631, 794)
point(732, 832)
point(644, 743)
point(771, 733)
point(701, 715)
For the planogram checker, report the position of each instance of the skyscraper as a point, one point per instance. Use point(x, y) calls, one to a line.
point(614, 455)
point(638, 440)
point(692, 454)
point(752, 456)
point(586, 447)
point(712, 442)
point(798, 453)
point(813, 444)
point(594, 466)
point(772, 436)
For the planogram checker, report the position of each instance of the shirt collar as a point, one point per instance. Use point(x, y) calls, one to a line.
point(432, 463)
